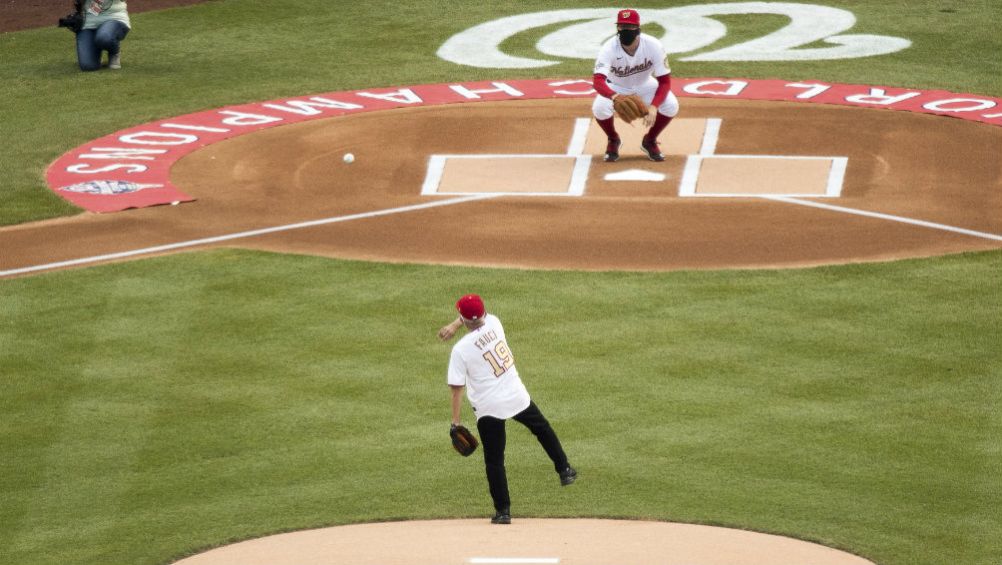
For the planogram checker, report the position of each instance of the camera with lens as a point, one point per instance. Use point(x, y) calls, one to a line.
point(72, 22)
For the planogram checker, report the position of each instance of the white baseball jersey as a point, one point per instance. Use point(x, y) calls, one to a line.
point(483, 363)
point(629, 72)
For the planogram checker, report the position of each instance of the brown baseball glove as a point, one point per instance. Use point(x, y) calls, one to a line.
point(629, 107)
point(463, 440)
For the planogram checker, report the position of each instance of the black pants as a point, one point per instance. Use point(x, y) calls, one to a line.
point(492, 436)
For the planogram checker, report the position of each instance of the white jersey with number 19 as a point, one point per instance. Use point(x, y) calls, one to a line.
point(483, 363)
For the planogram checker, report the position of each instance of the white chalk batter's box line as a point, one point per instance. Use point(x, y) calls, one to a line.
point(576, 186)
point(579, 136)
point(575, 150)
point(693, 164)
point(710, 136)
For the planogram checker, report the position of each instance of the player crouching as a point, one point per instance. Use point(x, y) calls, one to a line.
point(633, 63)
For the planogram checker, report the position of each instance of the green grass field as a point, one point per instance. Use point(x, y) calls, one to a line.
point(154, 408)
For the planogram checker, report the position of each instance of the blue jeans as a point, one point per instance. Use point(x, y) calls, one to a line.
point(91, 42)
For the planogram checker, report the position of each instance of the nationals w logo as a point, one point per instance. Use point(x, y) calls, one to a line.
point(686, 29)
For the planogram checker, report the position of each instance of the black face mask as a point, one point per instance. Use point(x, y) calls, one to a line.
point(627, 36)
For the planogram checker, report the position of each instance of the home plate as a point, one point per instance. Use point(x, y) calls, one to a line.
point(636, 175)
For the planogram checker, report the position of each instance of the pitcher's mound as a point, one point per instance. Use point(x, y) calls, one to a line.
point(525, 542)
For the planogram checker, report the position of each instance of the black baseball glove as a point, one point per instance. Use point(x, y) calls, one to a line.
point(463, 440)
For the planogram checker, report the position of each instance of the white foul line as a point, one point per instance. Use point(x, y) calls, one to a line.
point(244, 234)
point(880, 216)
point(514, 560)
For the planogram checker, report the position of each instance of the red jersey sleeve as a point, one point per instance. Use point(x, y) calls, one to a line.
point(598, 82)
point(664, 87)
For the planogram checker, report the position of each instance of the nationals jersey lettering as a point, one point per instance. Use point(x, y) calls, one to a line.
point(627, 71)
point(630, 71)
point(483, 363)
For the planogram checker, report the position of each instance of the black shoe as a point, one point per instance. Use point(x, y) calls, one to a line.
point(568, 476)
point(502, 517)
point(650, 146)
point(612, 150)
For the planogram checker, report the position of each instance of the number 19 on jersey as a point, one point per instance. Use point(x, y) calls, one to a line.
point(499, 358)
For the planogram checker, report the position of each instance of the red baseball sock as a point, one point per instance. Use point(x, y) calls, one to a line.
point(660, 123)
point(608, 127)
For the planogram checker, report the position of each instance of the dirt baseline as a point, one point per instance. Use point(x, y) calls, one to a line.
point(525, 542)
point(900, 164)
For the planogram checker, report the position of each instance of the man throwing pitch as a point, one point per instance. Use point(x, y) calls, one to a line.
point(482, 363)
point(633, 63)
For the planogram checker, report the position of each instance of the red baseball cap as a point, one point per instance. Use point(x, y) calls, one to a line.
point(471, 307)
point(628, 17)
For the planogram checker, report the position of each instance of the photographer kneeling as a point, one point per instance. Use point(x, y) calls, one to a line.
point(100, 25)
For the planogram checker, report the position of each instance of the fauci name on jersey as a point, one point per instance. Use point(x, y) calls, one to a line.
point(627, 71)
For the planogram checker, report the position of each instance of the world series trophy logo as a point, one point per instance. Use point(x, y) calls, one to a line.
point(108, 187)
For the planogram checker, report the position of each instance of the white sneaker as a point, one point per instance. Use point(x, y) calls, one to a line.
point(115, 61)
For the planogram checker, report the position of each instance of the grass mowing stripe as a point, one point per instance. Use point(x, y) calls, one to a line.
point(846, 405)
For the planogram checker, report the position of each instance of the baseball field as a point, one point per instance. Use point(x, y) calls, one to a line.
point(156, 407)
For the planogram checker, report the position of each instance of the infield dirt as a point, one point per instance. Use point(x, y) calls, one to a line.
point(921, 167)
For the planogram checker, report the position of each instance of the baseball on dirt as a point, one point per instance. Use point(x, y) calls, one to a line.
point(349, 158)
